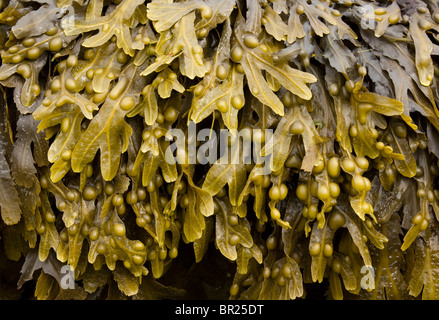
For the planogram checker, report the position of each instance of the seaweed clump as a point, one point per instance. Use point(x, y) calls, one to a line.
point(102, 102)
